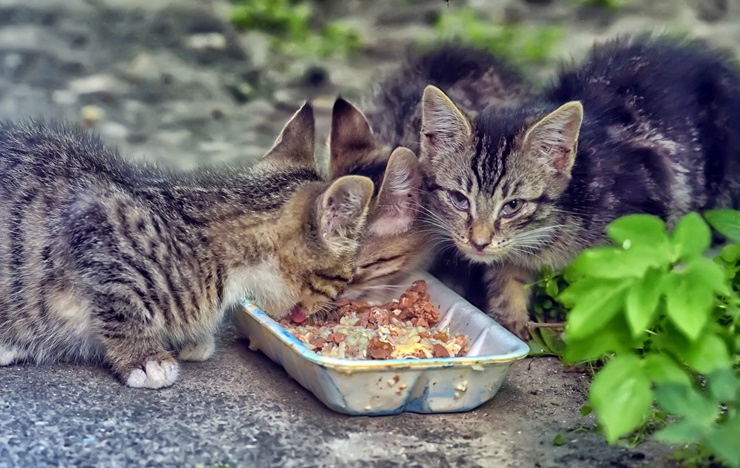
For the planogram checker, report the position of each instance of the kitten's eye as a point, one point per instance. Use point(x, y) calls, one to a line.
point(459, 200)
point(511, 208)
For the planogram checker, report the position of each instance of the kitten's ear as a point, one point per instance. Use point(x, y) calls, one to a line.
point(295, 144)
point(400, 194)
point(444, 127)
point(343, 211)
point(554, 139)
point(350, 132)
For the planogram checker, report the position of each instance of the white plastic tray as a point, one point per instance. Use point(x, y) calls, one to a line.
point(362, 387)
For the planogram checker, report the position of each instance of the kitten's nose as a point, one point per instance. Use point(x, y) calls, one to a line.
point(480, 236)
point(480, 245)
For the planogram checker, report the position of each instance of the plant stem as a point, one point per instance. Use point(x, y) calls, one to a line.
point(554, 326)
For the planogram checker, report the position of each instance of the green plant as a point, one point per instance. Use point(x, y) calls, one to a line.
point(608, 4)
point(294, 28)
point(663, 318)
point(548, 312)
point(519, 44)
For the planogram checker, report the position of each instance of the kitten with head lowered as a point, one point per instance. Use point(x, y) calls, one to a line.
point(382, 142)
point(102, 258)
point(646, 124)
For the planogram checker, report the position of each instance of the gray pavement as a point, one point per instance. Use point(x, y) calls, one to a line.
point(241, 409)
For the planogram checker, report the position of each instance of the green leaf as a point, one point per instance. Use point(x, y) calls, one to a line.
point(691, 237)
point(586, 410)
point(708, 354)
point(571, 275)
point(681, 432)
point(662, 368)
point(724, 441)
point(552, 288)
point(642, 301)
point(612, 262)
point(537, 347)
point(688, 303)
point(614, 337)
point(573, 293)
point(704, 271)
point(559, 440)
point(730, 253)
point(725, 221)
point(553, 340)
point(637, 228)
point(621, 395)
point(686, 401)
point(590, 348)
point(724, 384)
point(595, 308)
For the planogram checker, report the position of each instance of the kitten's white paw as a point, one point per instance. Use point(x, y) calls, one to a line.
point(10, 355)
point(156, 374)
point(198, 352)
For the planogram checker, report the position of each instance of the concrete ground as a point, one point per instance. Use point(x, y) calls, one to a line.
point(241, 409)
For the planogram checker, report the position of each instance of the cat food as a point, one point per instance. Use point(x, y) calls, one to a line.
point(400, 329)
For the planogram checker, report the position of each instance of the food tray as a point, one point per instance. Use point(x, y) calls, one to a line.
point(361, 387)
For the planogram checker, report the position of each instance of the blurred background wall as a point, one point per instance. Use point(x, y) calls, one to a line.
point(185, 82)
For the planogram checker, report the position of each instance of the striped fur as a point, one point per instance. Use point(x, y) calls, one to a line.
point(101, 258)
point(382, 144)
point(644, 125)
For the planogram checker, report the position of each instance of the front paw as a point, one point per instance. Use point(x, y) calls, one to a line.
point(515, 322)
point(10, 355)
point(155, 372)
point(200, 351)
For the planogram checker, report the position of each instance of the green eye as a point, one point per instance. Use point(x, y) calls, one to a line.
point(511, 208)
point(459, 200)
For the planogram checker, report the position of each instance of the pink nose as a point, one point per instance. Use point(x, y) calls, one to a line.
point(479, 245)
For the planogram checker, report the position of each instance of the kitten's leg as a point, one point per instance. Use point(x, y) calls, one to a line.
point(200, 351)
point(142, 364)
point(132, 346)
point(508, 298)
point(9, 355)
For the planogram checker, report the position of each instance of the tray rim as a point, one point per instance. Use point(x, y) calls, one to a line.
point(520, 351)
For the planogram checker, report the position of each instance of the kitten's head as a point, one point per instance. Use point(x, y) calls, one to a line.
point(317, 235)
point(393, 243)
point(494, 179)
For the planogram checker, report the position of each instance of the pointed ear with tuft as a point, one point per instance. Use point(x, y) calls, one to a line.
point(553, 141)
point(295, 144)
point(445, 129)
point(343, 211)
point(350, 133)
point(400, 195)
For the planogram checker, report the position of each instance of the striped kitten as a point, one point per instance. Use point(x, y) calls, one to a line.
point(382, 143)
point(644, 125)
point(393, 240)
point(104, 258)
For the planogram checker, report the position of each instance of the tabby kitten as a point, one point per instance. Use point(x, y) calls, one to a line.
point(391, 244)
point(644, 125)
point(382, 143)
point(104, 258)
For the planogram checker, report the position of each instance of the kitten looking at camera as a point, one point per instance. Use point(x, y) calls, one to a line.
point(102, 258)
point(381, 143)
point(643, 125)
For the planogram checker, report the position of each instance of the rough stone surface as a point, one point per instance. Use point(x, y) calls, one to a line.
point(172, 82)
point(241, 409)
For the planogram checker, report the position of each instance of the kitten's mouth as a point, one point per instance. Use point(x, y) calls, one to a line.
point(479, 256)
point(297, 314)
